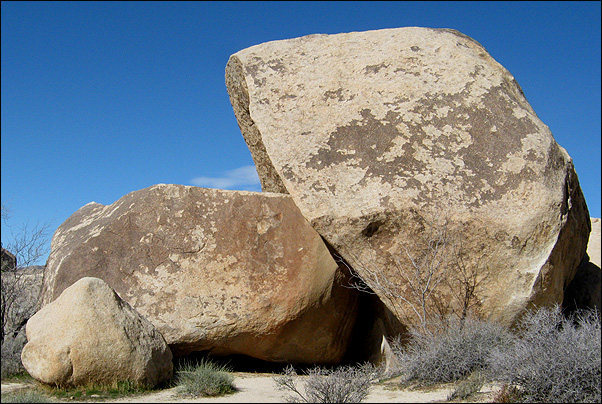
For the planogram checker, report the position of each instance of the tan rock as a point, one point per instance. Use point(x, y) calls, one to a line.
point(593, 244)
point(379, 135)
point(231, 272)
point(89, 335)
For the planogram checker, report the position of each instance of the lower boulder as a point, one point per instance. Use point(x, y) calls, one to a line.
point(88, 335)
point(229, 272)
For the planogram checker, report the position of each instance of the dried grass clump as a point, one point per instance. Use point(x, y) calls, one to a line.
point(346, 384)
point(205, 378)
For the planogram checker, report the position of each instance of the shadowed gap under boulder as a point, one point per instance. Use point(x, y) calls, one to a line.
point(583, 292)
point(374, 320)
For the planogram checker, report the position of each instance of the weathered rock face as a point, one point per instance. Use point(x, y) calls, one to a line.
point(89, 335)
point(380, 136)
point(232, 272)
point(22, 292)
point(585, 290)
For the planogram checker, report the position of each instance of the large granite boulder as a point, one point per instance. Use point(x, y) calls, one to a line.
point(88, 335)
point(231, 272)
point(585, 290)
point(384, 137)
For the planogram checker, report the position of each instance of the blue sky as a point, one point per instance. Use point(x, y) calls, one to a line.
point(103, 98)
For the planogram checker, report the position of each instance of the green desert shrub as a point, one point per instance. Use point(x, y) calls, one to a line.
point(553, 358)
point(345, 384)
point(117, 389)
point(205, 378)
point(449, 353)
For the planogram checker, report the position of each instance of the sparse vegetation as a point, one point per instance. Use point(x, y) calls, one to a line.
point(18, 377)
point(450, 353)
point(549, 358)
point(204, 378)
point(552, 358)
point(19, 290)
point(94, 391)
point(507, 394)
point(346, 384)
point(26, 396)
point(469, 386)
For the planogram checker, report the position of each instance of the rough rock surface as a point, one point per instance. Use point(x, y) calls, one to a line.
point(231, 272)
point(22, 290)
point(89, 335)
point(593, 245)
point(584, 291)
point(379, 135)
point(7, 260)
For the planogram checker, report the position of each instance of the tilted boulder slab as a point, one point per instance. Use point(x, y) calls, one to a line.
point(231, 272)
point(88, 335)
point(380, 135)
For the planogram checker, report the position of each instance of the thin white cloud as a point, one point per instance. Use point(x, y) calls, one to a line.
point(242, 178)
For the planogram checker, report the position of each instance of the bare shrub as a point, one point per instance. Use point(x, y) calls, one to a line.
point(346, 384)
point(553, 358)
point(19, 289)
point(450, 353)
point(430, 280)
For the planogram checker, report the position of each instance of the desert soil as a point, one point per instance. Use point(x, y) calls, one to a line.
point(260, 388)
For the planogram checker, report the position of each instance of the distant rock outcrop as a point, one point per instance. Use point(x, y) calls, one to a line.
point(383, 136)
point(7, 260)
point(230, 272)
point(88, 335)
point(21, 289)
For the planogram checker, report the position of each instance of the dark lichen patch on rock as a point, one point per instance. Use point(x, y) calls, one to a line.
point(475, 138)
point(334, 94)
point(276, 65)
point(367, 138)
point(375, 68)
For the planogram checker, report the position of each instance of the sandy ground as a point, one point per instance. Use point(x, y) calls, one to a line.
point(260, 388)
